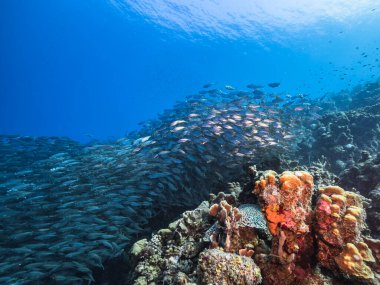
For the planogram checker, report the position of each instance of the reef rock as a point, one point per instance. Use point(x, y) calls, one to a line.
point(168, 256)
point(368, 95)
point(341, 137)
point(217, 267)
point(365, 178)
point(374, 212)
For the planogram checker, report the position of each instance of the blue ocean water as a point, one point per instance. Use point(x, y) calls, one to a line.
point(91, 71)
point(97, 68)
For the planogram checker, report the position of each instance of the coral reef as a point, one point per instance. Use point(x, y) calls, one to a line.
point(321, 175)
point(168, 256)
point(374, 212)
point(286, 202)
point(342, 137)
point(233, 238)
point(237, 229)
point(365, 178)
point(350, 124)
point(339, 216)
point(374, 245)
point(282, 241)
point(367, 95)
point(359, 97)
point(340, 220)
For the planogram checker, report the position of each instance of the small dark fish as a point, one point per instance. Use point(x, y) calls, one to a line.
point(274, 84)
point(254, 86)
point(323, 97)
point(258, 92)
point(208, 85)
point(277, 100)
point(213, 91)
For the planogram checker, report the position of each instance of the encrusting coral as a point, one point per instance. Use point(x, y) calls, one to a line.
point(286, 202)
point(352, 263)
point(167, 257)
point(340, 220)
point(374, 245)
point(218, 267)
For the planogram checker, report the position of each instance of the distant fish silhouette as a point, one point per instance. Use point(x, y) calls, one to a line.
point(274, 84)
point(208, 85)
point(254, 86)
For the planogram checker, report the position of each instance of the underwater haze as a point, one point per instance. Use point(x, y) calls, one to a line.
point(98, 68)
point(189, 142)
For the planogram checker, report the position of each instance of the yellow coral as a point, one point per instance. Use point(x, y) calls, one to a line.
point(289, 182)
point(271, 179)
point(335, 215)
point(339, 199)
point(305, 177)
point(335, 208)
point(330, 190)
point(350, 219)
point(336, 232)
point(354, 199)
point(365, 252)
point(325, 198)
point(351, 262)
point(354, 211)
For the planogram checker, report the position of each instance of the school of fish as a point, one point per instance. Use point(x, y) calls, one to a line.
point(66, 208)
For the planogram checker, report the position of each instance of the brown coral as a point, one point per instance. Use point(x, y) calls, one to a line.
point(246, 252)
point(214, 210)
point(234, 235)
